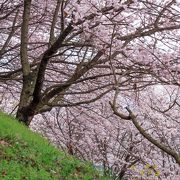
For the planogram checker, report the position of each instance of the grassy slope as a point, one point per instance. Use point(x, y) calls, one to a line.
point(26, 155)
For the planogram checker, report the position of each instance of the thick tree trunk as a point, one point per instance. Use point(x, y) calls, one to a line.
point(25, 97)
point(24, 116)
point(24, 113)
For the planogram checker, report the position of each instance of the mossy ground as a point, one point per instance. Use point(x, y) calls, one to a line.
point(26, 155)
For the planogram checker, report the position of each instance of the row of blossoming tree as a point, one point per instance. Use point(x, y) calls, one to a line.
point(100, 78)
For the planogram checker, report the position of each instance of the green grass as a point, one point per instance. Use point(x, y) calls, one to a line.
point(26, 155)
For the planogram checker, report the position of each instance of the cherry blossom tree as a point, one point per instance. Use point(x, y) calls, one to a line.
point(70, 39)
point(93, 133)
point(75, 57)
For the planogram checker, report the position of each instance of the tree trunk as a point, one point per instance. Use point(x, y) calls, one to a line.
point(24, 116)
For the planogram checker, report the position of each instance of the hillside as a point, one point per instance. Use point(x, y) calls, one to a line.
point(26, 155)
